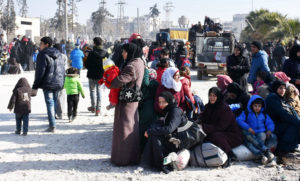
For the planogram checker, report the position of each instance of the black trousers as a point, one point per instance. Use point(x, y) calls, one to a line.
point(72, 104)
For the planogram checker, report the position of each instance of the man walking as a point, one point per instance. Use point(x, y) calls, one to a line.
point(76, 57)
point(49, 76)
point(95, 72)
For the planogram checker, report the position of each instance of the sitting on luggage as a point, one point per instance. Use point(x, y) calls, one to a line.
point(258, 130)
point(220, 125)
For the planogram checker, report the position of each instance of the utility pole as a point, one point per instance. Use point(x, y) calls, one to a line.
point(66, 20)
point(138, 20)
point(120, 17)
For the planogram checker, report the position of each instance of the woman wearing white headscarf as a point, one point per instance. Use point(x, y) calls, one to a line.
point(171, 83)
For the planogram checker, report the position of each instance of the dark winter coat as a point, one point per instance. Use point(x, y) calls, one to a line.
point(287, 123)
point(50, 70)
point(21, 97)
point(94, 63)
point(220, 125)
point(291, 66)
point(24, 54)
point(237, 68)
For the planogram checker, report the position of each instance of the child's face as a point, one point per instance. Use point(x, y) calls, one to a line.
point(258, 78)
point(256, 108)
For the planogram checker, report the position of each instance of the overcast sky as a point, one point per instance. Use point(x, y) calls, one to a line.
point(195, 10)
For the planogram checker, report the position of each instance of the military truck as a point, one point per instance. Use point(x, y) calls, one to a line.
point(212, 49)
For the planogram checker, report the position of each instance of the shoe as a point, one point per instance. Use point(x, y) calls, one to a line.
point(58, 117)
point(272, 163)
point(97, 113)
point(50, 130)
point(74, 117)
point(110, 106)
point(24, 134)
point(269, 155)
point(18, 132)
point(264, 160)
point(91, 109)
point(166, 169)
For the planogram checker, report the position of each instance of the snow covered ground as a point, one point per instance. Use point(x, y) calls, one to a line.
point(81, 150)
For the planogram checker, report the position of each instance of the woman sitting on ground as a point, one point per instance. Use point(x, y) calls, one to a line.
point(158, 145)
point(219, 123)
point(287, 122)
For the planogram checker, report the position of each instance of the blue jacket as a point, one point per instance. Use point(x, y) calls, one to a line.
point(260, 123)
point(259, 63)
point(76, 57)
point(50, 70)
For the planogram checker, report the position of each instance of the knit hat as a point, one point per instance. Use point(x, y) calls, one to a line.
point(152, 74)
point(257, 44)
point(107, 63)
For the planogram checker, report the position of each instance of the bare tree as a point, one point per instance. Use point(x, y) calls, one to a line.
point(8, 18)
point(24, 7)
point(98, 19)
point(73, 12)
point(58, 21)
point(154, 13)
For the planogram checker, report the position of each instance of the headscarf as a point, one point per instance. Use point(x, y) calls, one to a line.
point(169, 99)
point(133, 37)
point(282, 76)
point(293, 53)
point(131, 50)
point(21, 83)
point(217, 91)
point(223, 82)
point(168, 81)
point(276, 85)
point(235, 88)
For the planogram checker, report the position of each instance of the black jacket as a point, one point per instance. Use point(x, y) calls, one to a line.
point(174, 119)
point(237, 68)
point(94, 63)
point(21, 97)
point(50, 70)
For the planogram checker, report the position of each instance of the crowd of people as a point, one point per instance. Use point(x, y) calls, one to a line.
point(150, 89)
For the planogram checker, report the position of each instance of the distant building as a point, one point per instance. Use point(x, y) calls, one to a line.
point(227, 26)
point(239, 24)
point(29, 27)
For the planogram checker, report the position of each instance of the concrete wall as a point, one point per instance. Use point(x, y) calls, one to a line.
point(29, 27)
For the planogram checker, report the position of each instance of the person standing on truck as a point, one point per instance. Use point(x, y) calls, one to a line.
point(238, 67)
point(259, 61)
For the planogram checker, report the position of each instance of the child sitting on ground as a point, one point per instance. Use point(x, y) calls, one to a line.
point(258, 127)
point(20, 101)
point(292, 98)
point(111, 71)
point(260, 77)
point(73, 88)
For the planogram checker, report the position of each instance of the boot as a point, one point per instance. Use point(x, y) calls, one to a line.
point(91, 109)
point(97, 112)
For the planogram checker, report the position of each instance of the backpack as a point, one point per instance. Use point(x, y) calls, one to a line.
point(207, 155)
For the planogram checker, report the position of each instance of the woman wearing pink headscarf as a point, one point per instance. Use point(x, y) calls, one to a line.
point(223, 81)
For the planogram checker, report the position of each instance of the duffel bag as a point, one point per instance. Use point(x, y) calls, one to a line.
point(189, 135)
point(207, 155)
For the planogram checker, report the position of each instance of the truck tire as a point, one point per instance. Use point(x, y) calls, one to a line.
point(200, 75)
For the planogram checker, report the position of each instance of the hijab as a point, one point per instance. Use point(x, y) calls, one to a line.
point(168, 81)
point(131, 50)
point(235, 88)
point(293, 53)
point(216, 91)
point(223, 82)
point(276, 85)
point(172, 103)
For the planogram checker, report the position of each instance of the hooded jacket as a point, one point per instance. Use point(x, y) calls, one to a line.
point(76, 57)
point(50, 70)
point(21, 97)
point(259, 123)
point(73, 85)
point(94, 63)
point(259, 63)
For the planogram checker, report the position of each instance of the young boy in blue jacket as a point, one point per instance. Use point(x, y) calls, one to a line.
point(258, 127)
